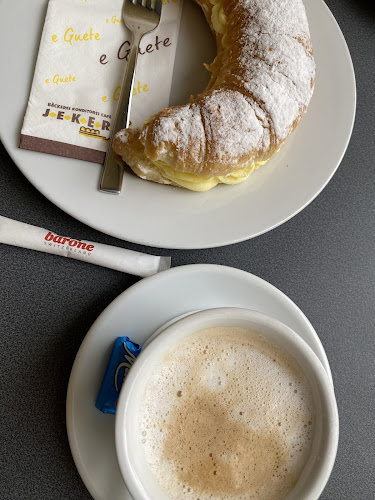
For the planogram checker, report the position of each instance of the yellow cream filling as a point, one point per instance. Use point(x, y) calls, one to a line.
point(198, 183)
point(218, 18)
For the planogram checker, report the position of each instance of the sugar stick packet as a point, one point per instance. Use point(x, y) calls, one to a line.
point(36, 238)
point(80, 70)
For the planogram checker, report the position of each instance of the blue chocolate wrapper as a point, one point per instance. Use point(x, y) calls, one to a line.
point(123, 355)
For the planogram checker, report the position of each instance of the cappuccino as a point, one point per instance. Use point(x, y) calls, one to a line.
point(227, 414)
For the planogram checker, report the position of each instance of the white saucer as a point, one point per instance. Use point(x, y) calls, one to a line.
point(138, 313)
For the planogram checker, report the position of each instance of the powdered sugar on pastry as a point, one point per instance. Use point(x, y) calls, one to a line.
point(262, 82)
point(221, 123)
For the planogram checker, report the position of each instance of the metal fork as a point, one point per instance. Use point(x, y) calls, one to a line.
point(140, 17)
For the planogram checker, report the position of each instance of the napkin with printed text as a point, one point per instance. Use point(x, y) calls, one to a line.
point(79, 72)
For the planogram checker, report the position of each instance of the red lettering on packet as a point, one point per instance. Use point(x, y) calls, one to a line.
point(72, 243)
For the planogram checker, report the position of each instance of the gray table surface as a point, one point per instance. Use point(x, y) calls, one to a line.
point(323, 259)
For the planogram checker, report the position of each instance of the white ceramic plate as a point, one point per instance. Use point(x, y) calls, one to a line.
point(162, 216)
point(138, 313)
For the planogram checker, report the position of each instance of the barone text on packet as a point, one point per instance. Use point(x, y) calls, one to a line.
point(36, 238)
point(79, 72)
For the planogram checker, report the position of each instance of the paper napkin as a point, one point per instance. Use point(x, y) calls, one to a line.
point(79, 72)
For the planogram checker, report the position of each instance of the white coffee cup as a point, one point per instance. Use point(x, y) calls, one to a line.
point(137, 474)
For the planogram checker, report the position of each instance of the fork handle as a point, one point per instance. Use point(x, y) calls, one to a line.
point(112, 175)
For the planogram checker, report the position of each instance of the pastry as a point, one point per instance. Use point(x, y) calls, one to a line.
point(261, 84)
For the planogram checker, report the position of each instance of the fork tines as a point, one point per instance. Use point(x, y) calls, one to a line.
point(150, 4)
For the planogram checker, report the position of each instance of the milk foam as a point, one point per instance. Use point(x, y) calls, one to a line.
point(227, 414)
